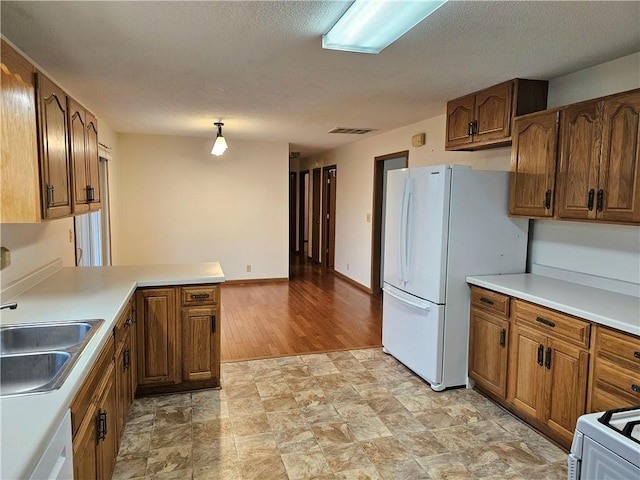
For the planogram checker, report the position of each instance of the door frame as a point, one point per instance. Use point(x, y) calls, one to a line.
point(316, 212)
point(293, 183)
point(329, 216)
point(376, 227)
point(301, 211)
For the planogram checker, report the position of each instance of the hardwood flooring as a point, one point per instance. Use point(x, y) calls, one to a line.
point(314, 312)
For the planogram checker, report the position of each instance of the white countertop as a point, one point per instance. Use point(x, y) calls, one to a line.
point(74, 293)
point(604, 307)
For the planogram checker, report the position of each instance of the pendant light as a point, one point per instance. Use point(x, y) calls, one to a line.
point(220, 145)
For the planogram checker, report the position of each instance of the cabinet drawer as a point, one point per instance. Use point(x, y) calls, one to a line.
point(200, 295)
point(87, 392)
point(124, 324)
point(619, 348)
point(490, 301)
point(617, 381)
point(553, 323)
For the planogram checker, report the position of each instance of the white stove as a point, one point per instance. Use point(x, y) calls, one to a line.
point(606, 445)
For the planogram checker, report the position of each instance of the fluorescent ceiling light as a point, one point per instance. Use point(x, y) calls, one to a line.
point(369, 26)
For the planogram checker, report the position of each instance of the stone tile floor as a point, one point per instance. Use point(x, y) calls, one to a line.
point(345, 415)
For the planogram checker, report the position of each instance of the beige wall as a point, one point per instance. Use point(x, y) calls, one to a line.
point(173, 202)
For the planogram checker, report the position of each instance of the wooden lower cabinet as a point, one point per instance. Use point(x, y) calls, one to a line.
point(85, 463)
point(201, 346)
point(107, 440)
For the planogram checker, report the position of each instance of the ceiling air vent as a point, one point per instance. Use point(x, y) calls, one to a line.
point(352, 131)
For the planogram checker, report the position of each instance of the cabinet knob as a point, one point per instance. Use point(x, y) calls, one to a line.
point(547, 359)
point(213, 323)
point(600, 200)
point(503, 337)
point(540, 354)
point(50, 201)
point(635, 388)
point(590, 197)
point(547, 199)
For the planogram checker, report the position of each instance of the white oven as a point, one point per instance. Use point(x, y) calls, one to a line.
point(606, 445)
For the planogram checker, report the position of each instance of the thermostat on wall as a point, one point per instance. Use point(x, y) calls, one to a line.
point(417, 140)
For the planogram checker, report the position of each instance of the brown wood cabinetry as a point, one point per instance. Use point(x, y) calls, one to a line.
point(200, 334)
point(533, 164)
point(124, 367)
point(599, 174)
point(83, 149)
point(616, 370)
point(483, 119)
point(107, 439)
point(548, 367)
point(20, 199)
point(488, 344)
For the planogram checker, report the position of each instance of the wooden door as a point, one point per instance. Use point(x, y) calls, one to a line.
point(525, 390)
point(533, 165)
point(84, 447)
point(93, 161)
point(565, 392)
point(493, 113)
point(157, 336)
point(80, 182)
point(460, 114)
point(54, 148)
point(200, 328)
point(315, 215)
point(580, 160)
point(107, 448)
point(292, 211)
point(488, 344)
point(330, 180)
point(619, 185)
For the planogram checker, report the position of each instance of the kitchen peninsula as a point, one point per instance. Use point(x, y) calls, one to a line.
point(28, 422)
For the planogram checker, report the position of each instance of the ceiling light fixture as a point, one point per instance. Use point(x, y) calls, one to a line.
point(220, 145)
point(369, 26)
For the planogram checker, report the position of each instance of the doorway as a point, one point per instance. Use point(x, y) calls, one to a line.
point(329, 181)
point(293, 179)
point(303, 212)
point(315, 215)
point(382, 165)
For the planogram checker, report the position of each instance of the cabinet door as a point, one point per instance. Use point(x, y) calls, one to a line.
point(201, 343)
point(20, 192)
point(533, 165)
point(526, 371)
point(488, 351)
point(54, 148)
point(460, 113)
point(580, 160)
point(493, 113)
point(619, 184)
point(84, 448)
point(77, 128)
point(107, 449)
point(157, 334)
point(93, 161)
point(565, 396)
point(123, 385)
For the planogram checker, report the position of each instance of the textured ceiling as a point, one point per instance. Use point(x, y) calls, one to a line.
point(176, 67)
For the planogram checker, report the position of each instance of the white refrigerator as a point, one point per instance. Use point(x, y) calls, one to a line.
point(442, 223)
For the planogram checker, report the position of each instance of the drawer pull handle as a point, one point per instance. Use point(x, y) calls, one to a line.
point(636, 354)
point(540, 354)
point(503, 337)
point(486, 300)
point(547, 359)
point(590, 197)
point(547, 200)
point(101, 431)
point(600, 200)
point(128, 322)
point(126, 359)
point(546, 322)
point(635, 388)
point(213, 324)
point(199, 296)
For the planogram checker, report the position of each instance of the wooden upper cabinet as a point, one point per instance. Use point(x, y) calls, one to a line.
point(484, 119)
point(619, 179)
point(54, 148)
point(20, 199)
point(83, 140)
point(533, 164)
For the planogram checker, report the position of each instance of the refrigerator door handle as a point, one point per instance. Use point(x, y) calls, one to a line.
point(402, 232)
point(422, 305)
point(408, 232)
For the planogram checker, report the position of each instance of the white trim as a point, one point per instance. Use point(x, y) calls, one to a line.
point(22, 284)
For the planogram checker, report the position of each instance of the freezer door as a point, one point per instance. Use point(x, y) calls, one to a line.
point(394, 224)
point(427, 233)
point(412, 331)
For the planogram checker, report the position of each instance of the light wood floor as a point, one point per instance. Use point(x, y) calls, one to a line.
point(314, 312)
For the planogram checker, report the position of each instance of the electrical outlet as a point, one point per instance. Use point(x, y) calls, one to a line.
point(248, 268)
point(5, 258)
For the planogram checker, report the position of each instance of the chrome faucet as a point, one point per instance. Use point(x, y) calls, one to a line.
point(10, 306)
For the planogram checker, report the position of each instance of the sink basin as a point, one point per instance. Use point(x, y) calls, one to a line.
point(37, 358)
point(43, 337)
point(32, 372)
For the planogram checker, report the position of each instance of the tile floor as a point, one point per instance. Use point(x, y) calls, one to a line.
point(345, 415)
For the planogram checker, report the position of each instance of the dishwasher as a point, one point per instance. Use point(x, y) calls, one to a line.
point(57, 460)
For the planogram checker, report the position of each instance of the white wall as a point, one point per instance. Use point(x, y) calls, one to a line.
point(355, 186)
point(173, 202)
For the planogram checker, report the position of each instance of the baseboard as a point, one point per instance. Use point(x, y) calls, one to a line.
point(352, 282)
point(243, 281)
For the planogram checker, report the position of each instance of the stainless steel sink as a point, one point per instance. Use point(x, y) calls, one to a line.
point(37, 358)
point(38, 338)
point(32, 372)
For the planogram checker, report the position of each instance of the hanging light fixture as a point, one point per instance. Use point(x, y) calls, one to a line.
point(220, 145)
